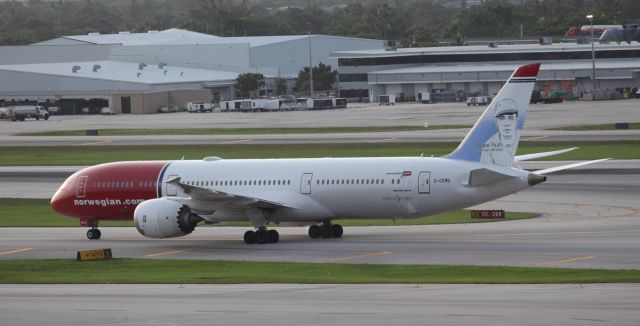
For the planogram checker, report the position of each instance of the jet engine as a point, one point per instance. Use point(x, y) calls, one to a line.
point(163, 218)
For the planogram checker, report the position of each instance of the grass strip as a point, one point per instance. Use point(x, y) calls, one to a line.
point(89, 155)
point(37, 213)
point(606, 126)
point(141, 271)
point(241, 131)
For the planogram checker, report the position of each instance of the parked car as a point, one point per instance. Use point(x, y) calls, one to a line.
point(107, 111)
point(478, 100)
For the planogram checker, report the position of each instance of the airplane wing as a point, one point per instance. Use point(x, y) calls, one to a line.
point(527, 157)
point(226, 199)
point(568, 166)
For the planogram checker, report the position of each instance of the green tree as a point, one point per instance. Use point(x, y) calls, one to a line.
point(323, 78)
point(248, 83)
point(280, 86)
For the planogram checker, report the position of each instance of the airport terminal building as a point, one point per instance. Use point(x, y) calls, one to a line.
point(141, 72)
point(454, 72)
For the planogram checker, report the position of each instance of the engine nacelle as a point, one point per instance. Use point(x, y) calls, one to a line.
point(163, 218)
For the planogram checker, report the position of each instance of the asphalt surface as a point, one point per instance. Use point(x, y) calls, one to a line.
point(276, 304)
point(591, 218)
point(540, 118)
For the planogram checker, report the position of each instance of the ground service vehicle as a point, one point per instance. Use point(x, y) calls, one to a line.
point(387, 99)
point(197, 107)
point(20, 113)
point(424, 97)
point(478, 100)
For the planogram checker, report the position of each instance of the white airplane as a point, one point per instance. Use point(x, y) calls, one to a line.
point(168, 198)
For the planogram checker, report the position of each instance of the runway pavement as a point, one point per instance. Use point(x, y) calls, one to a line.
point(309, 304)
point(443, 135)
point(540, 118)
point(591, 218)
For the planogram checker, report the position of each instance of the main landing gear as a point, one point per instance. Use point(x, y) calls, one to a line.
point(326, 230)
point(261, 236)
point(94, 233)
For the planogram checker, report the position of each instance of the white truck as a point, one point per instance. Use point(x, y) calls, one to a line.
point(195, 107)
point(23, 112)
point(280, 104)
point(424, 97)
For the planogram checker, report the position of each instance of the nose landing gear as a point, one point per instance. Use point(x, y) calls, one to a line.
point(94, 233)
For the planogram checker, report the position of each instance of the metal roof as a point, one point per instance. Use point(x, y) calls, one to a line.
point(150, 37)
point(500, 67)
point(126, 72)
point(176, 36)
point(478, 49)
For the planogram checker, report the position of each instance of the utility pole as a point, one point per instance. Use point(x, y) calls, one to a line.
point(593, 54)
point(310, 64)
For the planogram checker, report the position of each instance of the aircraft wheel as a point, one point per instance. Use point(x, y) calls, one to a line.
point(273, 236)
point(94, 234)
point(314, 231)
point(325, 231)
point(250, 237)
point(336, 231)
point(261, 237)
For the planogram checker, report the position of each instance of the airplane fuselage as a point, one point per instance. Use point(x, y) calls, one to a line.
point(314, 189)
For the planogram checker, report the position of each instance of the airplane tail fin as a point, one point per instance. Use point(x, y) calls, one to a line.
point(494, 138)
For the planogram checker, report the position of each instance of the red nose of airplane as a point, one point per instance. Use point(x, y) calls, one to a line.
point(61, 202)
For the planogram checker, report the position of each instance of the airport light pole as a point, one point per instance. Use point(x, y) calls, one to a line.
point(593, 54)
point(310, 64)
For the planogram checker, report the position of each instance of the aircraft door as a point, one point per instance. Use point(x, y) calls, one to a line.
point(305, 183)
point(172, 190)
point(424, 182)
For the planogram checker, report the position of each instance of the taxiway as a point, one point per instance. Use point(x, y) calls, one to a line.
point(284, 304)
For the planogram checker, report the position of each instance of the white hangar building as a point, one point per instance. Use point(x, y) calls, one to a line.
point(139, 72)
point(458, 71)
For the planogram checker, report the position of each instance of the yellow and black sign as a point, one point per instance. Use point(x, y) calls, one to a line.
point(97, 254)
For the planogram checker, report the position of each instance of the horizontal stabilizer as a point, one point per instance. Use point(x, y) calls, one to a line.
point(481, 177)
point(528, 157)
point(568, 166)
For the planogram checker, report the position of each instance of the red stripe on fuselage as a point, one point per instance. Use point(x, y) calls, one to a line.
point(109, 191)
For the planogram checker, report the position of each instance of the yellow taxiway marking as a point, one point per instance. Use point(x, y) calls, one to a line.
point(382, 253)
point(15, 251)
point(169, 252)
point(566, 260)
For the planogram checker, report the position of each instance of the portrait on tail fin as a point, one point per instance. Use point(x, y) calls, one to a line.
point(501, 147)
